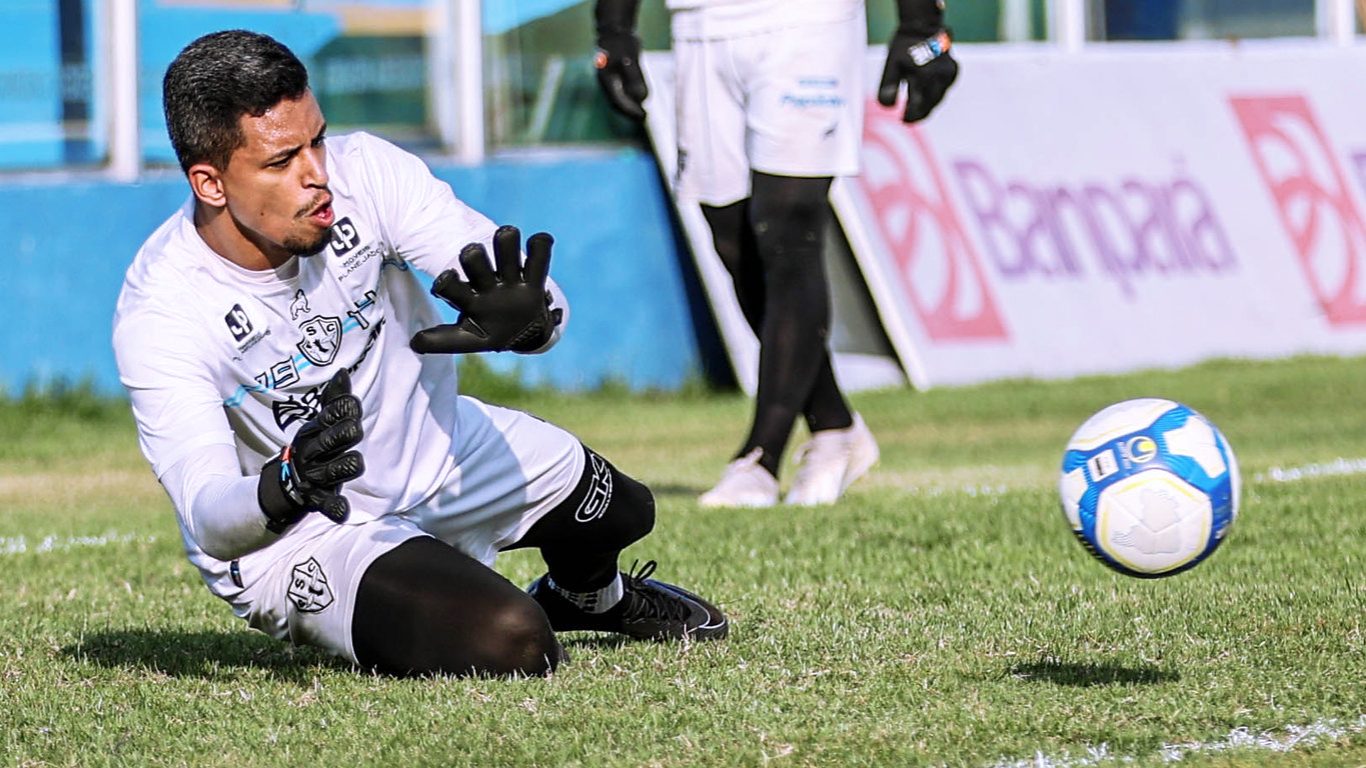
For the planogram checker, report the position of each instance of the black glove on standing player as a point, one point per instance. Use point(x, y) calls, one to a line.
point(506, 310)
point(919, 55)
point(308, 473)
point(618, 57)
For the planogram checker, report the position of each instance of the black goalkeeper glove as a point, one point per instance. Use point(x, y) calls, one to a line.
point(918, 55)
point(308, 473)
point(506, 310)
point(618, 57)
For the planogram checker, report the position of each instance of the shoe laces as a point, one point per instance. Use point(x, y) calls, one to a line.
point(648, 602)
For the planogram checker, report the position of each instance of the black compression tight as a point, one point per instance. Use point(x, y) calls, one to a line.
point(425, 607)
point(581, 537)
point(771, 244)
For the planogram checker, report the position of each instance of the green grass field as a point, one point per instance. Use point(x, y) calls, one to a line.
point(942, 614)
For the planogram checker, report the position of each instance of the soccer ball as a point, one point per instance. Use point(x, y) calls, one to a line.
point(1149, 486)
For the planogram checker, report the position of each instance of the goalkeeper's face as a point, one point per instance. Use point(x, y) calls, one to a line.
point(275, 186)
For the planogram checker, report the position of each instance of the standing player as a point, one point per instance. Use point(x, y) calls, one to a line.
point(770, 109)
point(330, 483)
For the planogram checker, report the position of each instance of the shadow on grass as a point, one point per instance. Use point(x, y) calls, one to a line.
point(207, 654)
point(677, 490)
point(1088, 675)
point(226, 655)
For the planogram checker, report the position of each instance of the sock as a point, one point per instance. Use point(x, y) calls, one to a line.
point(597, 601)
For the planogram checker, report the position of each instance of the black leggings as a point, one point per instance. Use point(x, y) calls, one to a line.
point(771, 243)
point(425, 607)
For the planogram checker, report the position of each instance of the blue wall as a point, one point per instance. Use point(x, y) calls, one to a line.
point(66, 246)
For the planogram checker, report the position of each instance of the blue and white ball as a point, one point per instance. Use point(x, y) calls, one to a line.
point(1150, 487)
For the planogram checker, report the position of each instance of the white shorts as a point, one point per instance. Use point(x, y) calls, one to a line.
point(510, 470)
point(788, 102)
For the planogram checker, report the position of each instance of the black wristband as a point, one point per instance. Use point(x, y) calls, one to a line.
point(273, 495)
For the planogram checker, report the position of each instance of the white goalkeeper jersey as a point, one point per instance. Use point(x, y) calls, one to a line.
point(223, 364)
point(714, 19)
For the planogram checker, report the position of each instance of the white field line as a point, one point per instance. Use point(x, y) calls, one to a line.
point(17, 545)
point(1336, 467)
point(969, 489)
point(1318, 733)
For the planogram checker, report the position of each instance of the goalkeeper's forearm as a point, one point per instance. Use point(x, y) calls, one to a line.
point(922, 18)
point(217, 506)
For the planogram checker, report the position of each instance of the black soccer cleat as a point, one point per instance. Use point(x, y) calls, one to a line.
point(649, 610)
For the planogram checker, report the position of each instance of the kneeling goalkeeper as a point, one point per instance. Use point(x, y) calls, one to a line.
point(296, 395)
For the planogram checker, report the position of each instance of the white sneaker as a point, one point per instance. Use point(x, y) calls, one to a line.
point(830, 461)
point(745, 483)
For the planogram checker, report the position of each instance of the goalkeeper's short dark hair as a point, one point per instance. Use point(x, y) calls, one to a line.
point(216, 80)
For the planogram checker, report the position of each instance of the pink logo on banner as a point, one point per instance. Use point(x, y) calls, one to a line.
point(939, 269)
point(1316, 209)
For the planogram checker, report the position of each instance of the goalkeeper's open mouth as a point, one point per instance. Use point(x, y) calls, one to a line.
point(321, 213)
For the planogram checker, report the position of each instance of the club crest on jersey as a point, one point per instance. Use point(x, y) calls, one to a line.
point(344, 236)
point(322, 338)
point(308, 587)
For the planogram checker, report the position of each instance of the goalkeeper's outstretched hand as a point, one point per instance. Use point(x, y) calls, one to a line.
point(924, 64)
point(503, 306)
point(618, 58)
point(926, 67)
point(308, 474)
